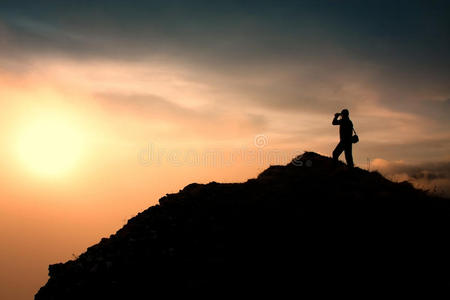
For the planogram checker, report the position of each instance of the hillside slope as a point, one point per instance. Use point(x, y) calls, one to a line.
point(316, 228)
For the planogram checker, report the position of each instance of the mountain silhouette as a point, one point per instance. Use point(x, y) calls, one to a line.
point(310, 227)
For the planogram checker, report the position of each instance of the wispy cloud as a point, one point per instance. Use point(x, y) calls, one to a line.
point(203, 122)
point(433, 176)
point(245, 67)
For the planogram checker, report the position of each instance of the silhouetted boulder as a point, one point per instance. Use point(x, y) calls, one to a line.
point(308, 227)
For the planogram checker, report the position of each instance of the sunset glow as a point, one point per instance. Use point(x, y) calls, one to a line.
point(105, 105)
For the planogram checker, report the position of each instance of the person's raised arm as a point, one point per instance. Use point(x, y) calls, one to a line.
point(335, 120)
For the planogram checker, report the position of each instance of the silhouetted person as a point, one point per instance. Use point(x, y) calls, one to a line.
point(345, 134)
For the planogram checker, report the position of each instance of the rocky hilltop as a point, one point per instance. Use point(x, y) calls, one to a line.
point(311, 226)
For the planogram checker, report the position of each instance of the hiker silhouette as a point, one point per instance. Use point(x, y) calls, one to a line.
point(345, 135)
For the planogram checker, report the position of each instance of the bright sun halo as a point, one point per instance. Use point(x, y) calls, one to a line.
point(50, 145)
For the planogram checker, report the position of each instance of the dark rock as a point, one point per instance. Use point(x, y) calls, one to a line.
point(311, 227)
point(56, 270)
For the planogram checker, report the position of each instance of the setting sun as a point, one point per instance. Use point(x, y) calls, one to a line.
point(50, 145)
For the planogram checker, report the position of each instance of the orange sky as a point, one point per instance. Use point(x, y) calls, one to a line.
point(131, 155)
point(46, 218)
point(105, 111)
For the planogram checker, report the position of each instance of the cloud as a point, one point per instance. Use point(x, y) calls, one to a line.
point(263, 65)
point(236, 32)
point(185, 122)
point(296, 56)
point(434, 176)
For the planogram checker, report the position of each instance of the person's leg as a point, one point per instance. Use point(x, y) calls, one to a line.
point(348, 154)
point(337, 151)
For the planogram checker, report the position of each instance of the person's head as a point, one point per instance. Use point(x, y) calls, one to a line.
point(344, 113)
